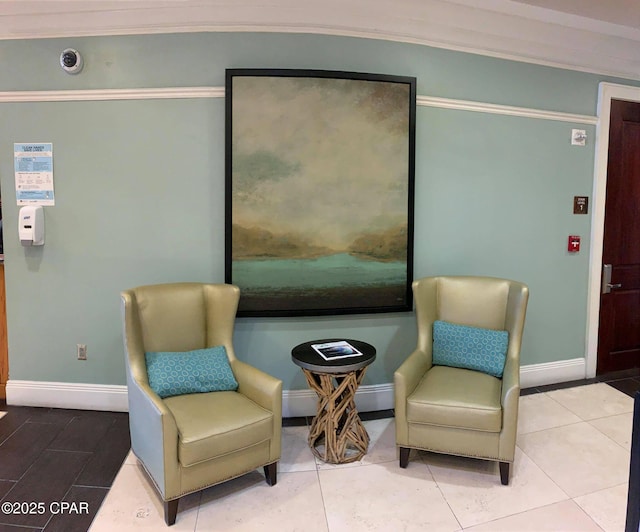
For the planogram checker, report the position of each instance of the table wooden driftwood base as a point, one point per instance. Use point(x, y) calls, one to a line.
point(337, 435)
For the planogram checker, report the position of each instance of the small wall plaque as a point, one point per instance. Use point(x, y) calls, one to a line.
point(580, 204)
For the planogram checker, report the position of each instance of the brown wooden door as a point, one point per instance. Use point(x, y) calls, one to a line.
point(619, 331)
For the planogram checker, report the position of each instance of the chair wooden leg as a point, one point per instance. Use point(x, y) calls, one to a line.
point(505, 468)
point(271, 473)
point(171, 511)
point(404, 457)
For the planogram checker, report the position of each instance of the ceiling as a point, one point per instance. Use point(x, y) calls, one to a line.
point(601, 36)
point(623, 12)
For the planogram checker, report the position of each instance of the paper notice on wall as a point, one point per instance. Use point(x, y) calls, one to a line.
point(33, 164)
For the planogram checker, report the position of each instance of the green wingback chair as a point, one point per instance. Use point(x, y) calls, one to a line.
point(187, 443)
point(453, 410)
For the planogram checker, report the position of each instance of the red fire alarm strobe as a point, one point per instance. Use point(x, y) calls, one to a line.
point(574, 244)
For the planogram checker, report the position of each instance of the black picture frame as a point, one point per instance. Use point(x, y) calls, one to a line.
point(319, 193)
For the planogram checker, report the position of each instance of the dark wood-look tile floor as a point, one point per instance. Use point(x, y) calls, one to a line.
point(57, 465)
point(54, 456)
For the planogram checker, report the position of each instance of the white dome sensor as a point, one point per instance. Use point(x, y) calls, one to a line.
point(71, 61)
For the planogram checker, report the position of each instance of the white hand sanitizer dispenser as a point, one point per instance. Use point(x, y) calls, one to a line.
point(31, 225)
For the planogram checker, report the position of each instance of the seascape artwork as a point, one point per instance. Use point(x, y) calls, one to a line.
point(319, 192)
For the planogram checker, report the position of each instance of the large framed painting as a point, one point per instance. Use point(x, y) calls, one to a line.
point(319, 191)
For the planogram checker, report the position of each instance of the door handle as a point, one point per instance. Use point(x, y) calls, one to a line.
point(607, 286)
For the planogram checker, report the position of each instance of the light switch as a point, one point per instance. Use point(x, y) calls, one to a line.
point(578, 137)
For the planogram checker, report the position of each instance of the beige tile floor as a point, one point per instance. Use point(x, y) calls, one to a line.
point(570, 474)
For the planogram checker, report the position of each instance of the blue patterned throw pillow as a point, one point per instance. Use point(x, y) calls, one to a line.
point(202, 370)
point(462, 346)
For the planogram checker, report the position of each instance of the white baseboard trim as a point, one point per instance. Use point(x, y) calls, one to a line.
point(295, 403)
point(552, 372)
point(369, 398)
point(67, 395)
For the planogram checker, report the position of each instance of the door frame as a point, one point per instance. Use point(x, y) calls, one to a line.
point(606, 93)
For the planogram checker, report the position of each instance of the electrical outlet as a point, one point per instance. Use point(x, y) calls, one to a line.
point(82, 351)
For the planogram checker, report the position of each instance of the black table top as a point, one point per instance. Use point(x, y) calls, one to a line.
point(307, 357)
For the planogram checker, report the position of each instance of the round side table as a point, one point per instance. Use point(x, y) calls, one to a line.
point(336, 426)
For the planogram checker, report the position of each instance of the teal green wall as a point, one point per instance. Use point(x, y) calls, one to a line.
point(139, 191)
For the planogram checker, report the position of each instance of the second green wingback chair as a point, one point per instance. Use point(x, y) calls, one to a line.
point(457, 410)
point(188, 442)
